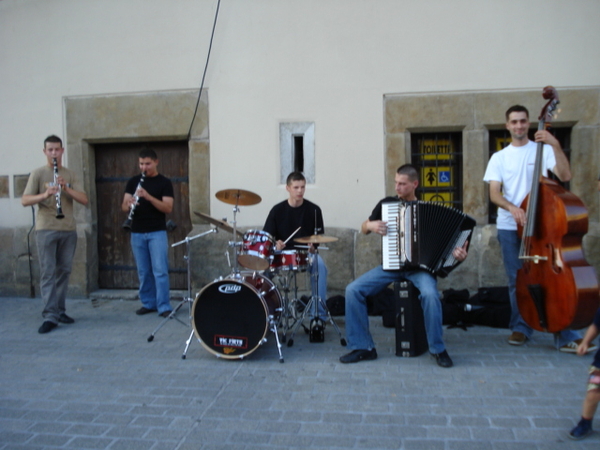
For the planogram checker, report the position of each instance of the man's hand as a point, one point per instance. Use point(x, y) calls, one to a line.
point(460, 253)
point(378, 227)
point(518, 214)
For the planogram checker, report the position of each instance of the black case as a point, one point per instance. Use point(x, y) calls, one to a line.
point(411, 339)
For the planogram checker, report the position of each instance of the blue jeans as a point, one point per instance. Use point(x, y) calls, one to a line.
point(372, 282)
point(510, 244)
point(151, 256)
point(55, 251)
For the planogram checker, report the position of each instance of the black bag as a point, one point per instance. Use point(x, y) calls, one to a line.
point(489, 307)
point(336, 305)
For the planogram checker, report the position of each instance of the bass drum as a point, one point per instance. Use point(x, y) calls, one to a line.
point(231, 317)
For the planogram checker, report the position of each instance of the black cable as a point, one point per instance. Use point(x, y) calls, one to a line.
point(205, 68)
point(31, 286)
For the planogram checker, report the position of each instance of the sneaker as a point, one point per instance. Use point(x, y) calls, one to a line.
point(63, 318)
point(47, 327)
point(517, 338)
point(582, 430)
point(165, 314)
point(571, 347)
point(358, 355)
point(143, 310)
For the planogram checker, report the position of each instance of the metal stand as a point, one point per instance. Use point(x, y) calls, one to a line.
point(289, 311)
point(313, 306)
point(189, 300)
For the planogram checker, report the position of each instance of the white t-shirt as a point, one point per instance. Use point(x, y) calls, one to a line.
point(513, 167)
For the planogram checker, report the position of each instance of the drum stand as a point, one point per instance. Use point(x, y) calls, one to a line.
point(289, 314)
point(189, 300)
point(316, 328)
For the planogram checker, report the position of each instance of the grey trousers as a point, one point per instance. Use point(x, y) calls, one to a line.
point(55, 252)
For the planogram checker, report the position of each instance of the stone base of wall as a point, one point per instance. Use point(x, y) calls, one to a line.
point(349, 257)
point(20, 270)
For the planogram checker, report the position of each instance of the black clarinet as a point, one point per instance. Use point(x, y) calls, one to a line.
point(129, 220)
point(59, 212)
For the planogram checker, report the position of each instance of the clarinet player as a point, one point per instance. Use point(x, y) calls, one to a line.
point(359, 337)
point(53, 188)
point(148, 202)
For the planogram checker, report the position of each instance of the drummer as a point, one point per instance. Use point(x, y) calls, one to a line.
point(286, 217)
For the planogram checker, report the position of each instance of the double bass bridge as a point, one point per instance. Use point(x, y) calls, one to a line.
point(535, 258)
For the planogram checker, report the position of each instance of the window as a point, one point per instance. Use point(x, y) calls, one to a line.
point(297, 149)
point(438, 157)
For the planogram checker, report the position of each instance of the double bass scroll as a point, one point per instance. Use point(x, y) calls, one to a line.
point(556, 288)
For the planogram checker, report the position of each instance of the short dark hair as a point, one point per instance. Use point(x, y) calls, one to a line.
point(409, 170)
point(516, 108)
point(147, 152)
point(295, 176)
point(54, 139)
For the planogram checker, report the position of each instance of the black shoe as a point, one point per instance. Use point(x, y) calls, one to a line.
point(359, 355)
point(47, 327)
point(143, 310)
point(442, 359)
point(165, 313)
point(582, 430)
point(63, 318)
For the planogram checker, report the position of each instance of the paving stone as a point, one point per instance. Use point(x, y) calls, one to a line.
point(100, 384)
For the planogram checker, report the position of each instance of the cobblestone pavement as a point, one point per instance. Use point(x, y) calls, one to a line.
point(99, 384)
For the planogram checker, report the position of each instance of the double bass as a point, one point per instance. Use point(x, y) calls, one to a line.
point(556, 288)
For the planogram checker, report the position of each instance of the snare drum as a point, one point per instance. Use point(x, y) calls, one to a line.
point(231, 317)
point(290, 260)
point(257, 250)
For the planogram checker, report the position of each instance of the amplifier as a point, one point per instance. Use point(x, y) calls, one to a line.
point(411, 338)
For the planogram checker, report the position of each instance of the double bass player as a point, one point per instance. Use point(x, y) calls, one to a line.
point(509, 174)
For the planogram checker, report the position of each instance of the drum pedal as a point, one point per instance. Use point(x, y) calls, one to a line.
point(317, 330)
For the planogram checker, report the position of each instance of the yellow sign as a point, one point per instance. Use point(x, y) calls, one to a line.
point(437, 149)
point(502, 142)
point(442, 197)
point(437, 176)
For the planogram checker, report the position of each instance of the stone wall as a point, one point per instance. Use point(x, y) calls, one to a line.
point(346, 259)
point(351, 256)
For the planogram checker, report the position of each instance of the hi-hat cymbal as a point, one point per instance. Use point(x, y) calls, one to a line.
point(218, 223)
point(316, 239)
point(238, 197)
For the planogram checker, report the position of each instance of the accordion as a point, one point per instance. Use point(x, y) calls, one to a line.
point(423, 235)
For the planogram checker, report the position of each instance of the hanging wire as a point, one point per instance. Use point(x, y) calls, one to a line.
point(29, 256)
point(212, 35)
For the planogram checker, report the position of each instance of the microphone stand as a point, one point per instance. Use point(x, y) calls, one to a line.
point(189, 300)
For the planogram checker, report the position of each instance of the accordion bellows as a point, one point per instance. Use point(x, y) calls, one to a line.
point(423, 235)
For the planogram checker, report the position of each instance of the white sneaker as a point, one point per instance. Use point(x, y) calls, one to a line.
point(571, 347)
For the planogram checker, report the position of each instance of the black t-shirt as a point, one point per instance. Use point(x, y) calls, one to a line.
point(146, 218)
point(376, 214)
point(284, 219)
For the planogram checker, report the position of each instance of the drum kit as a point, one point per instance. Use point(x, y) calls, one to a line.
point(232, 316)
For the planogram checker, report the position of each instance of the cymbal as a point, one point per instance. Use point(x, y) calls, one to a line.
point(218, 223)
point(316, 239)
point(238, 197)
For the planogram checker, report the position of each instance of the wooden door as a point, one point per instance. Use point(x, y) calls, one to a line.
point(115, 164)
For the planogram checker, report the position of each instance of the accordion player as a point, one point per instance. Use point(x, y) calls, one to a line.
point(422, 235)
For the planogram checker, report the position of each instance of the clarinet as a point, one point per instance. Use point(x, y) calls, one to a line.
point(129, 220)
point(59, 212)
